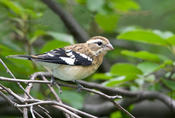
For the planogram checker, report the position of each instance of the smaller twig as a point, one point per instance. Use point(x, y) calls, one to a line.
point(25, 113)
point(25, 110)
point(31, 110)
point(8, 70)
point(46, 112)
point(52, 103)
point(44, 109)
point(9, 91)
point(39, 115)
point(24, 81)
point(28, 89)
point(9, 100)
point(110, 98)
point(122, 109)
point(59, 104)
point(52, 90)
point(102, 94)
point(55, 94)
point(67, 111)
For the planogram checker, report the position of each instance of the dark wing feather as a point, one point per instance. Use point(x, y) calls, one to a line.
point(62, 56)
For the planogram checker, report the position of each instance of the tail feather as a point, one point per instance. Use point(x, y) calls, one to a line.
point(27, 57)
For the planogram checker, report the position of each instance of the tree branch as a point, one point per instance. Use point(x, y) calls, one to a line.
point(75, 29)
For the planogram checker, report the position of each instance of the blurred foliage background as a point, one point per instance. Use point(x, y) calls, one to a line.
point(142, 32)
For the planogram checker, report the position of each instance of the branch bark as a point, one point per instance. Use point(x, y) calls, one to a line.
point(75, 29)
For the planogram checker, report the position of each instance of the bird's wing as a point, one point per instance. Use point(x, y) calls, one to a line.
point(63, 56)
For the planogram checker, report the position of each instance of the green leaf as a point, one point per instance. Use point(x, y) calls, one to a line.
point(164, 35)
point(145, 36)
point(50, 45)
point(125, 69)
point(16, 65)
point(119, 80)
point(147, 67)
point(142, 55)
point(101, 76)
point(36, 35)
point(81, 1)
point(19, 9)
point(155, 87)
point(107, 22)
point(169, 83)
point(116, 114)
point(171, 40)
point(16, 8)
point(37, 94)
point(32, 13)
point(150, 78)
point(95, 5)
point(163, 65)
point(61, 37)
point(124, 5)
point(73, 98)
point(9, 44)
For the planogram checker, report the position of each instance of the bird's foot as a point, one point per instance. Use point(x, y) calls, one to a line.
point(79, 86)
point(55, 83)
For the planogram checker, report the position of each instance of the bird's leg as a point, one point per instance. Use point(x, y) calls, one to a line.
point(79, 86)
point(54, 82)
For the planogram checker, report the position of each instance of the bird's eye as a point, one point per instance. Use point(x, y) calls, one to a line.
point(99, 43)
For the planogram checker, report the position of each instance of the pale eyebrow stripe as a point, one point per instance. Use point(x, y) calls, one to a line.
point(93, 41)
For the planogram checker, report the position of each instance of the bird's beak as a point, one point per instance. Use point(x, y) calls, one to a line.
point(109, 47)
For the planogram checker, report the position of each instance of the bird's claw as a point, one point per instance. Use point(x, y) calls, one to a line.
point(79, 86)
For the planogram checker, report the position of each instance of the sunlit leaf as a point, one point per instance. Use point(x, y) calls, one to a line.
point(147, 67)
point(16, 8)
point(164, 64)
point(124, 5)
point(116, 114)
point(125, 69)
point(61, 37)
point(164, 35)
point(32, 13)
point(171, 40)
point(95, 5)
point(145, 36)
point(101, 76)
point(81, 1)
point(119, 80)
point(142, 55)
point(150, 78)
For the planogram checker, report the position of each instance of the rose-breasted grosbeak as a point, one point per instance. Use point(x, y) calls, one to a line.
point(73, 62)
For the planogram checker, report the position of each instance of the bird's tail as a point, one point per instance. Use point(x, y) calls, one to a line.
point(26, 57)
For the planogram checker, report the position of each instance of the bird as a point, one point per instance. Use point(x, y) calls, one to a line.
point(73, 62)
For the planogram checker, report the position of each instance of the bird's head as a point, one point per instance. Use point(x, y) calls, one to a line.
point(99, 45)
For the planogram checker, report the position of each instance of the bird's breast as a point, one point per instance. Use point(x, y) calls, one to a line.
point(67, 73)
